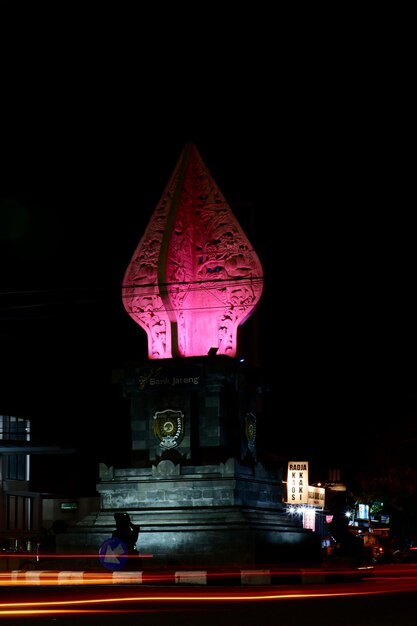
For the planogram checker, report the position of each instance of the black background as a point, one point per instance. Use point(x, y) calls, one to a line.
point(306, 142)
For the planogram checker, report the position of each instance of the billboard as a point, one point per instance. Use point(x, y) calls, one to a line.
point(316, 496)
point(297, 482)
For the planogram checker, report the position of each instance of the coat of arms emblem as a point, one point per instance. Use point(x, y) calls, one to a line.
point(250, 430)
point(169, 428)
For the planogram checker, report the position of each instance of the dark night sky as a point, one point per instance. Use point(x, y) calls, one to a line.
point(306, 156)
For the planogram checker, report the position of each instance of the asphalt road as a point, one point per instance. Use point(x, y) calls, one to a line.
point(390, 610)
point(387, 598)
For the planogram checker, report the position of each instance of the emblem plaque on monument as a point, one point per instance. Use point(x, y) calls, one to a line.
point(169, 428)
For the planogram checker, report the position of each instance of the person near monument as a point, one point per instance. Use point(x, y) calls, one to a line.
point(128, 533)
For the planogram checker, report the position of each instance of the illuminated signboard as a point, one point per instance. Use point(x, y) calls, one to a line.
point(316, 496)
point(363, 511)
point(69, 506)
point(297, 482)
point(309, 518)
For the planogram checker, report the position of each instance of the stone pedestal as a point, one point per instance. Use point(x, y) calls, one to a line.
point(196, 483)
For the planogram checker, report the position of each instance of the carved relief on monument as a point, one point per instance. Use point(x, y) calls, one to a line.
point(194, 277)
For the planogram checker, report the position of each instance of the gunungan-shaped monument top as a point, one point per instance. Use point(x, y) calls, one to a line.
point(194, 278)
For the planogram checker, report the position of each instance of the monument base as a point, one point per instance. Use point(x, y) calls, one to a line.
point(211, 516)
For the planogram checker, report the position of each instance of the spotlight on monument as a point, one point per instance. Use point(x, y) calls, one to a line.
point(212, 351)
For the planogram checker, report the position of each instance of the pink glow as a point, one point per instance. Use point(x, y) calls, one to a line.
point(194, 278)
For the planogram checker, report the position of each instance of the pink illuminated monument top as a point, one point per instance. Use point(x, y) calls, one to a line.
point(194, 278)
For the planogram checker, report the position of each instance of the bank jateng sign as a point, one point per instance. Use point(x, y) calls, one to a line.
point(297, 482)
point(162, 378)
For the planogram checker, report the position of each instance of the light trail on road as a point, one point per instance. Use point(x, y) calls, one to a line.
point(143, 600)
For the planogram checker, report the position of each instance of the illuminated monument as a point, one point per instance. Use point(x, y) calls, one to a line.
point(194, 277)
point(196, 482)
